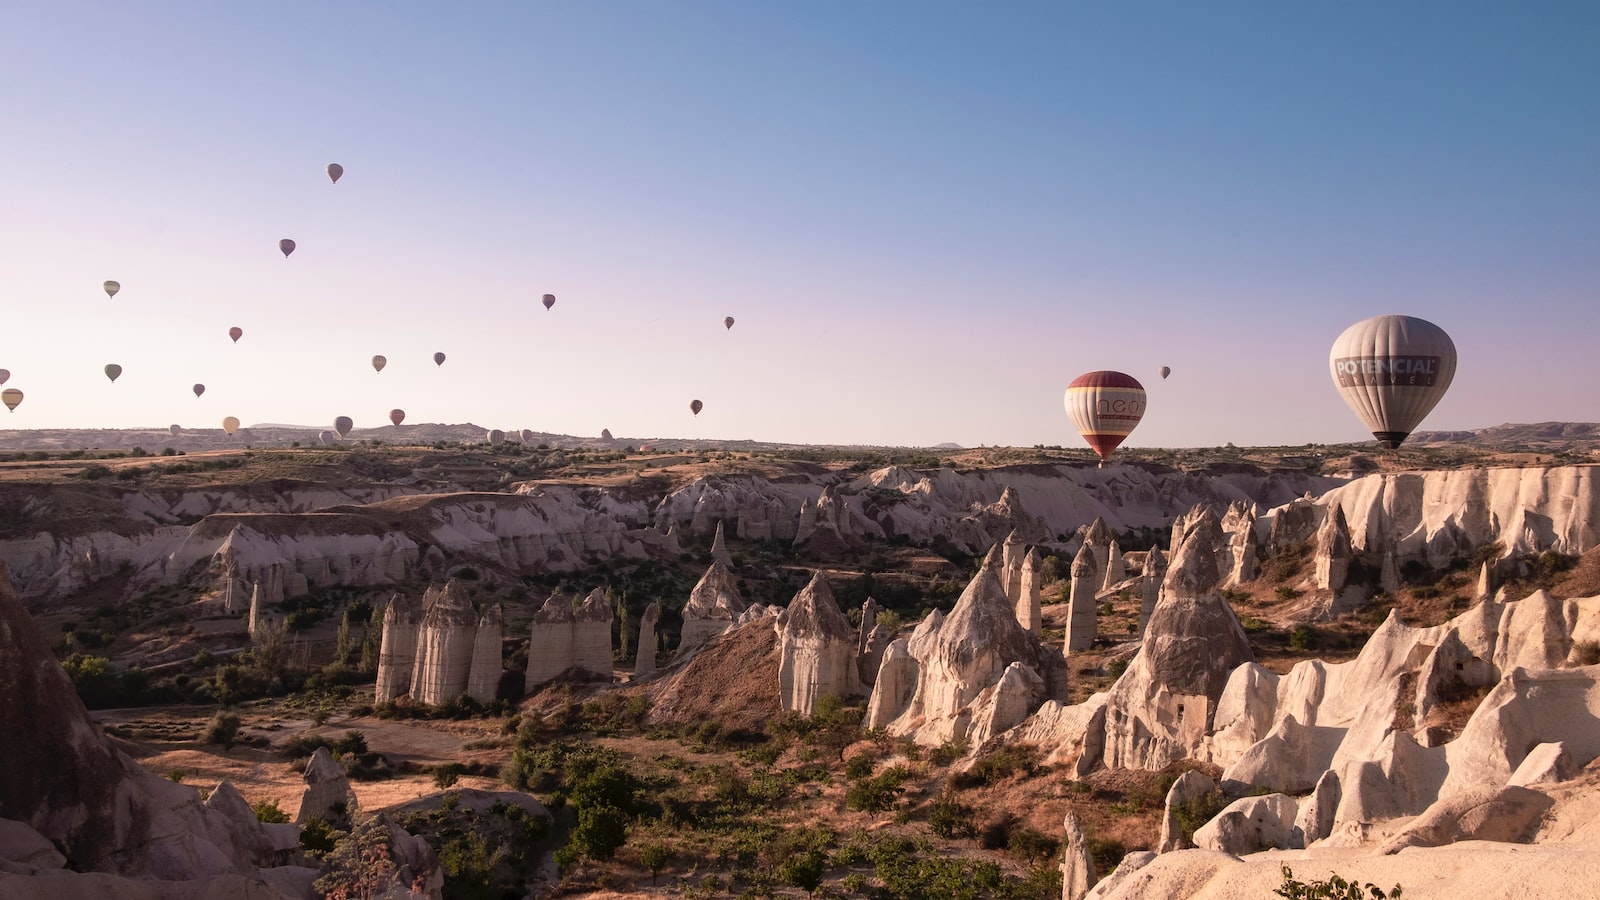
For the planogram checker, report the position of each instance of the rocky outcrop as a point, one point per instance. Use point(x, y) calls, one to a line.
point(591, 636)
point(1077, 863)
point(645, 661)
point(719, 548)
point(713, 606)
point(1029, 589)
point(1250, 824)
point(1190, 787)
point(1155, 572)
point(327, 795)
point(550, 641)
point(817, 650)
point(397, 651)
point(483, 679)
point(1082, 608)
point(446, 643)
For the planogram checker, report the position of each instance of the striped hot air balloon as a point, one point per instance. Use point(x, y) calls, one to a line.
point(1106, 406)
point(1392, 370)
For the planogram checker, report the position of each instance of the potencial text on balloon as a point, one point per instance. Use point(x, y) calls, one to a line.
point(1398, 370)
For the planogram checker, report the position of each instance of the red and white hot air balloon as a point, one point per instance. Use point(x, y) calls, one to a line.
point(1106, 406)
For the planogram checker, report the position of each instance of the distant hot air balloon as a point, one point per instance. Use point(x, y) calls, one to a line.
point(326, 437)
point(175, 429)
point(5, 375)
point(230, 424)
point(111, 288)
point(1105, 406)
point(378, 362)
point(527, 435)
point(397, 416)
point(343, 424)
point(236, 332)
point(497, 437)
point(199, 389)
point(12, 398)
point(728, 322)
point(112, 371)
point(334, 171)
point(287, 246)
point(1392, 370)
point(549, 300)
point(1165, 371)
point(438, 359)
point(695, 406)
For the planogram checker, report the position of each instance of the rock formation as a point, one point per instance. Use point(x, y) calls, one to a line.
point(591, 636)
point(1082, 608)
point(488, 657)
point(719, 548)
point(1027, 604)
point(397, 651)
point(645, 661)
point(1116, 570)
point(1077, 864)
point(713, 606)
point(817, 650)
point(1012, 553)
point(550, 642)
point(447, 642)
point(327, 795)
point(1155, 572)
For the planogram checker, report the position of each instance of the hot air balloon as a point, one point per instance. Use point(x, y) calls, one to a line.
point(397, 416)
point(12, 398)
point(728, 322)
point(549, 300)
point(230, 424)
point(438, 359)
point(527, 435)
point(1165, 371)
point(112, 371)
point(695, 406)
point(1105, 406)
point(334, 171)
point(343, 424)
point(497, 437)
point(1392, 370)
point(287, 246)
point(5, 375)
point(236, 332)
point(199, 389)
point(175, 429)
point(378, 362)
point(326, 437)
point(111, 288)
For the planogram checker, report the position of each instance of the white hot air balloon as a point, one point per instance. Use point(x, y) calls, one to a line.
point(1392, 370)
point(497, 437)
point(230, 424)
point(1106, 406)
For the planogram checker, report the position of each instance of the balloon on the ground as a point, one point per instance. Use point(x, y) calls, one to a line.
point(175, 429)
point(695, 406)
point(230, 424)
point(334, 171)
point(527, 435)
point(287, 246)
point(397, 416)
point(199, 389)
point(326, 437)
point(549, 300)
point(113, 370)
point(111, 288)
point(728, 322)
point(343, 424)
point(12, 398)
point(1392, 371)
point(1105, 406)
point(497, 437)
point(378, 362)
point(1165, 371)
point(438, 359)
point(236, 332)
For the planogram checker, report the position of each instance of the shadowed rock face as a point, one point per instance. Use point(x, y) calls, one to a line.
point(713, 605)
point(817, 649)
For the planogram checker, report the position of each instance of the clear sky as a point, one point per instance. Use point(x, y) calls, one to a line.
point(927, 218)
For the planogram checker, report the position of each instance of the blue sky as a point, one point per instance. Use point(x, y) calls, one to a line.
point(926, 218)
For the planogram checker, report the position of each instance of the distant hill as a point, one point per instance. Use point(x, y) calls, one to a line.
point(1551, 436)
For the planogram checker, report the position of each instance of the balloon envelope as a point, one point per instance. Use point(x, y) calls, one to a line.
point(397, 416)
point(287, 246)
point(176, 430)
point(199, 389)
point(5, 375)
point(1105, 406)
point(378, 362)
point(236, 332)
point(527, 435)
point(230, 424)
point(111, 288)
point(695, 406)
point(1165, 371)
point(326, 437)
point(549, 300)
point(12, 398)
point(438, 359)
point(112, 371)
point(497, 437)
point(334, 171)
point(728, 322)
point(343, 424)
point(1392, 370)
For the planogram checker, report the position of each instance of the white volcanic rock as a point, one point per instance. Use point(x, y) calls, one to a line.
point(446, 641)
point(1004, 704)
point(1190, 786)
point(1077, 864)
point(645, 660)
point(1012, 552)
point(397, 653)
point(1072, 736)
point(1316, 817)
point(1082, 609)
point(968, 652)
point(893, 686)
point(817, 650)
point(1028, 590)
point(713, 606)
point(1155, 572)
point(550, 650)
point(761, 510)
point(591, 635)
point(1545, 764)
point(483, 679)
point(1162, 707)
point(719, 547)
point(1116, 569)
point(1250, 824)
point(1290, 759)
point(1506, 814)
point(327, 789)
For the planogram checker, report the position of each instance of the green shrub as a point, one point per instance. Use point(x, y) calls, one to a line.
point(1334, 888)
point(268, 812)
point(877, 794)
point(949, 818)
point(222, 729)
